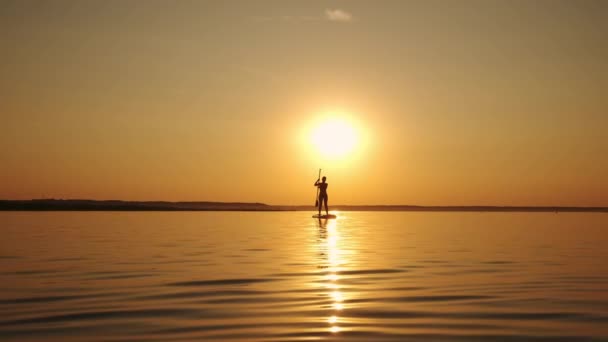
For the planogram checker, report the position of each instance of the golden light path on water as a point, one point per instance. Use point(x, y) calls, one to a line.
point(329, 229)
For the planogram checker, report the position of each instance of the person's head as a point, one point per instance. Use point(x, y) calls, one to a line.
point(324, 178)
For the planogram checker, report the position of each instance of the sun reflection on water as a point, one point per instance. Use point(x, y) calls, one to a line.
point(329, 231)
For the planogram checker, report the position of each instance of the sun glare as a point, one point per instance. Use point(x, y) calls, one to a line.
point(334, 138)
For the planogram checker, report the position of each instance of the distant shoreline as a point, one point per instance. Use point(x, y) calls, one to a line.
point(115, 205)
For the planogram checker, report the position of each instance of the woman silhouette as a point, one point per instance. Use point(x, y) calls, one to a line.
point(322, 194)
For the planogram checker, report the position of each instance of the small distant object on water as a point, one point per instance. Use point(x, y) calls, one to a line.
point(327, 216)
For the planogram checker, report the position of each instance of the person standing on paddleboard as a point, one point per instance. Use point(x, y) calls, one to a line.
point(322, 194)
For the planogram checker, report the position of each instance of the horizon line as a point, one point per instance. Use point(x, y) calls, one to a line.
point(304, 205)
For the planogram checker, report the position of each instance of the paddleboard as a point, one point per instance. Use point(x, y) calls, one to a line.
point(330, 216)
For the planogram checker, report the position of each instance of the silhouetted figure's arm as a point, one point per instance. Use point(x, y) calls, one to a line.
point(317, 183)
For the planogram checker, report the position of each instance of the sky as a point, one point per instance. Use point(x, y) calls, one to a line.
point(451, 102)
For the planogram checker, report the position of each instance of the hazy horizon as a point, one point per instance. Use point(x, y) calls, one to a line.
point(498, 103)
point(337, 206)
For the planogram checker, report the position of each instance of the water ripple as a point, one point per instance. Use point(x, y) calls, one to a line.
point(222, 282)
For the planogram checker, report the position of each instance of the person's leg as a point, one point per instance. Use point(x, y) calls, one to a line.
point(326, 210)
point(320, 204)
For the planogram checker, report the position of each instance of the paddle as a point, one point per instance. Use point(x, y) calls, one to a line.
point(317, 199)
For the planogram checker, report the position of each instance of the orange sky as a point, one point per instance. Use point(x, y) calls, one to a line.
point(455, 103)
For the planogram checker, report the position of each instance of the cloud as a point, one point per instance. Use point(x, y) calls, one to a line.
point(338, 15)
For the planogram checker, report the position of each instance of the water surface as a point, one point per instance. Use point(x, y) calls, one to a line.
point(254, 276)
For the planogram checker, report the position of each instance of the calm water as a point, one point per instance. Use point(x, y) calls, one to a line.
point(370, 276)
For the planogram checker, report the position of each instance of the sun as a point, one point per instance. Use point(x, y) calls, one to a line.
point(334, 138)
